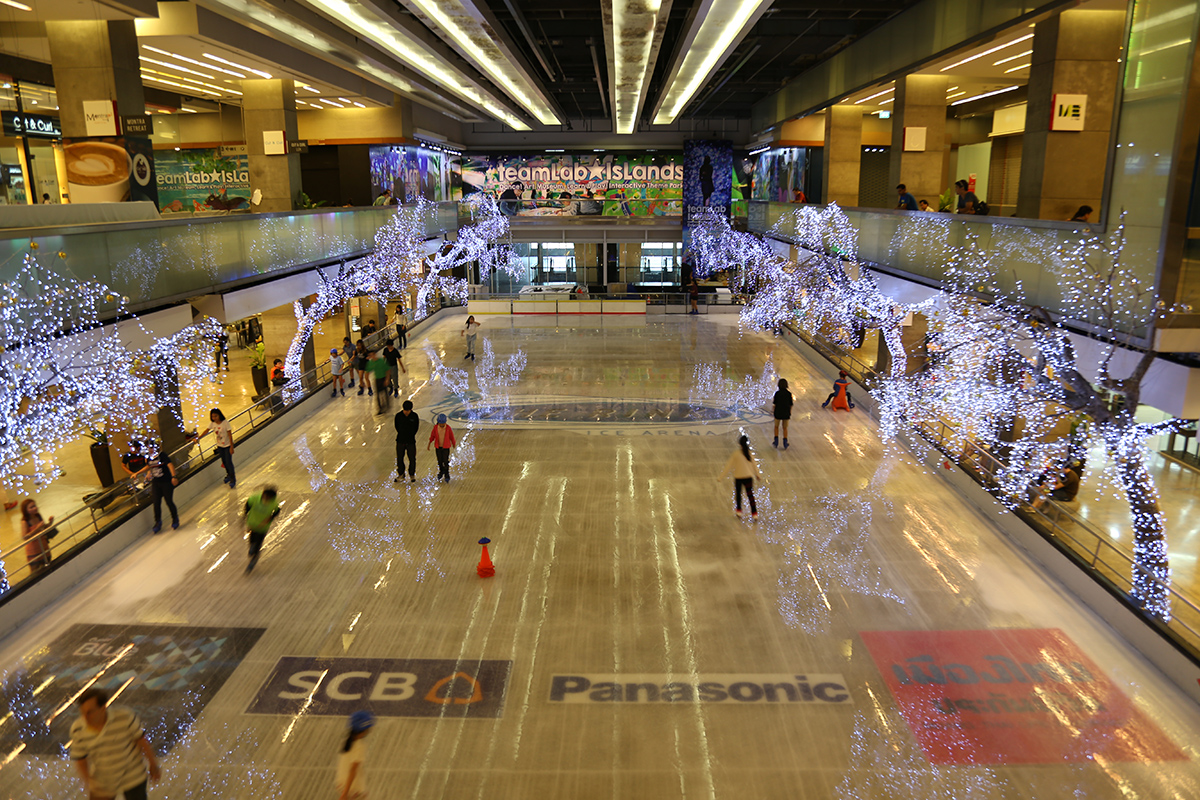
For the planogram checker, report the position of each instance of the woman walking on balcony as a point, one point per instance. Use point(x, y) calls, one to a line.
point(224, 435)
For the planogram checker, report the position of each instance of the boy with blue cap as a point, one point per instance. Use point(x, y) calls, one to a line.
point(350, 782)
point(441, 438)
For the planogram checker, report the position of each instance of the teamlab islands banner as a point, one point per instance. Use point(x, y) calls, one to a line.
point(409, 172)
point(601, 184)
point(202, 180)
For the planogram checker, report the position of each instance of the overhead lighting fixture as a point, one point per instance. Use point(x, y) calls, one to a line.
point(242, 67)
point(176, 66)
point(1012, 58)
point(330, 102)
point(223, 89)
point(556, 150)
point(176, 84)
point(985, 94)
point(178, 57)
point(761, 149)
point(877, 94)
point(995, 49)
point(631, 32)
point(719, 29)
point(466, 27)
point(308, 88)
point(356, 103)
point(16, 5)
point(357, 17)
point(885, 102)
point(1017, 68)
point(951, 89)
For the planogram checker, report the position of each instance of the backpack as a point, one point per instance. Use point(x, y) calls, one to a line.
point(981, 209)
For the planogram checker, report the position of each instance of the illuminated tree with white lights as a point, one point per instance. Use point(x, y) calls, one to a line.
point(1009, 375)
point(400, 266)
point(61, 365)
point(1006, 374)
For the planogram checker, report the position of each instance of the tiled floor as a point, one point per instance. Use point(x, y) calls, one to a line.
point(869, 636)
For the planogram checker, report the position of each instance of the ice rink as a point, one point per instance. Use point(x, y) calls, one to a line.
point(869, 636)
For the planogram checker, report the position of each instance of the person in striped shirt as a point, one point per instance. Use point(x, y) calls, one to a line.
point(110, 750)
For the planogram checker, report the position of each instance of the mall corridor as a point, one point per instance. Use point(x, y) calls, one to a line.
point(870, 635)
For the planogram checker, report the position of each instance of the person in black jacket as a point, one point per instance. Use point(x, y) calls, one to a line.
point(781, 410)
point(407, 424)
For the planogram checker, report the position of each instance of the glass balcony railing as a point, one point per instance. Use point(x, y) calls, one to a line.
point(1021, 253)
point(152, 263)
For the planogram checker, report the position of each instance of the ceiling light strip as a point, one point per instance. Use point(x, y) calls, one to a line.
point(156, 62)
point(719, 31)
point(363, 22)
point(219, 60)
point(465, 29)
point(191, 61)
point(630, 30)
point(16, 5)
point(1012, 58)
point(985, 94)
point(995, 49)
point(877, 94)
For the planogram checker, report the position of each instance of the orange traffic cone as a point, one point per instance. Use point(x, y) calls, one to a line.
point(485, 568)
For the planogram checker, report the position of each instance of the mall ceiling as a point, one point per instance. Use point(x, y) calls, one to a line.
point(528, 64)
point(790, 36)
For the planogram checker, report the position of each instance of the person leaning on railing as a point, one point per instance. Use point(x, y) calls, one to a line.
point(37, 534)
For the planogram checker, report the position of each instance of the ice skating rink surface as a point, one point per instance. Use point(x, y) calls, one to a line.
point(870, 635)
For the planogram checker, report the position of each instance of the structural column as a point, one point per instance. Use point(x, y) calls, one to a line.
point(843, 154)
point(269, 114)
point(94, 60)
point(919, 134)
point(1074, 53)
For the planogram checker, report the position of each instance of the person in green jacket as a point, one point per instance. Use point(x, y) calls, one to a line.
point(379, 367)
point(261, 511)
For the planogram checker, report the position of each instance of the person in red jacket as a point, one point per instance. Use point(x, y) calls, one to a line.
point(441, 438)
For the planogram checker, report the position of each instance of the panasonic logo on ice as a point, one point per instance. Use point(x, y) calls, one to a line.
point(748, 689)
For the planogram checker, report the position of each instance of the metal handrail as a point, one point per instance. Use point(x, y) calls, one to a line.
point(84, 523)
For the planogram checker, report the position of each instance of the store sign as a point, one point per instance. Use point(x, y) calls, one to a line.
point(646, 689)
point(166, 674)
point(202, 180)
point(137, 126)
point(31, 125)
point(389, 687)
point(274, 143)
point(297, 145)
point(100, 117)
point(1070, 112)
point(1012, 696)
point(566, 185)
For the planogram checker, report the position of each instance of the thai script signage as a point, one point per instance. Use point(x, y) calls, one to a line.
point(1011, 696)
point(794, 688)
point(389, 687)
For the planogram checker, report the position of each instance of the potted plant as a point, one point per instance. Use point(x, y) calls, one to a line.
point(99, 450)
point(258, 368)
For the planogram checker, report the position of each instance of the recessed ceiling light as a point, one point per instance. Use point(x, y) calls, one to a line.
point(220, 60)
point(16, 5)
point(1017, 68)
point(877, 94)
point(985, 94)
point(330, 102)
point(995, 49)
point(176, 66)
point(191, 61)
point(1012, 58)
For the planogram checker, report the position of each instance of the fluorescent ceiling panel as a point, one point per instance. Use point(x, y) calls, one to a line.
point(718, 27)
point(631, 30)
point(364, 22)
point(301, 36)
point(462, 22)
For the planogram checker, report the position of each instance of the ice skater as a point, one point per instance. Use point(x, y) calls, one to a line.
point(335, 367)
point(470, 330)
point(441, 438)
point(224, 435)
point(781, 409)
point(350, 782)
point(407, 425)
point(261, 510)
point(840, 396)
point(744, 469)
point(395, 367)
point(348, 357)
point(361, 358)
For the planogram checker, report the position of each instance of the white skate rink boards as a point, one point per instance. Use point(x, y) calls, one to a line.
point(617, 554)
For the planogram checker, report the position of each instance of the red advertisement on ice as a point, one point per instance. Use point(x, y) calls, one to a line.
point(1017, 696)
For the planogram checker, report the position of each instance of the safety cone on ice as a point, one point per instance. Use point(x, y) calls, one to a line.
point(485, 568)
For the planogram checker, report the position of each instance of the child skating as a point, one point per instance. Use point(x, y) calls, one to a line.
point(744, 469)
point(840, 396)
point(261, 511)
point(335, 366)
point(781, 409)
point(441, 438)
